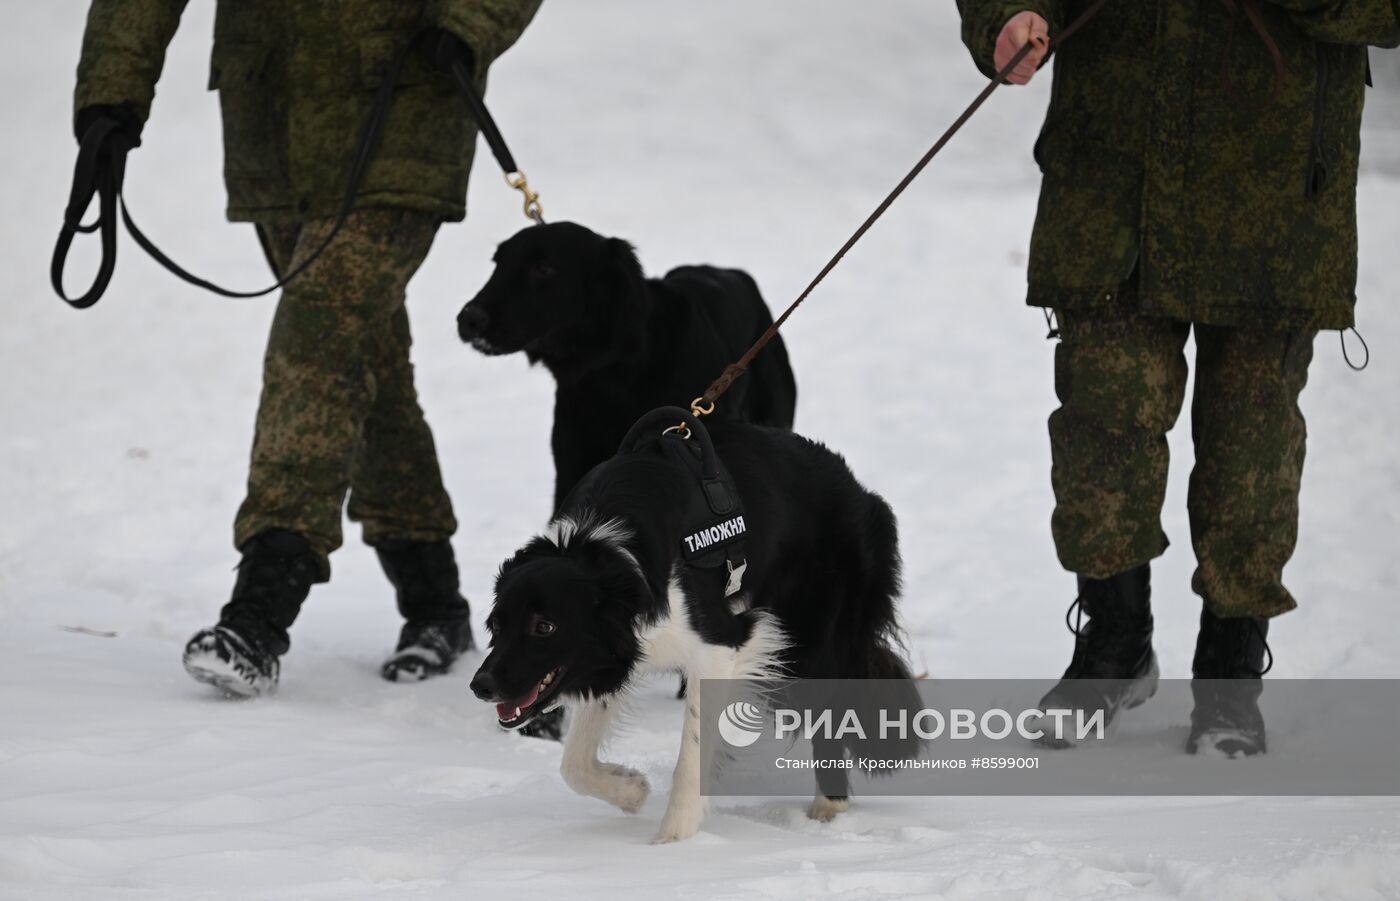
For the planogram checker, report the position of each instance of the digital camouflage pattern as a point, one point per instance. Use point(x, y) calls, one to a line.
point(296, 81)
point(1166, 154)
point(339, 411)
point(1121, 378)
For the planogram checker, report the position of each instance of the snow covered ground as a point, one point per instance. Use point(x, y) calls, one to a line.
point(747, 134)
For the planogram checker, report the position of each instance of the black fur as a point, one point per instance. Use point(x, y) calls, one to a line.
point(620, 344)
point(822, 556)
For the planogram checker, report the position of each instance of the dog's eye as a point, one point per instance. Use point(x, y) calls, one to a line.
point(542, 270)
point(543, 628)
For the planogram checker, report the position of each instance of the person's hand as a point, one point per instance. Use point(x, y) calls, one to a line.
point(128, 123)
point(444, 48)
point(1023, 28)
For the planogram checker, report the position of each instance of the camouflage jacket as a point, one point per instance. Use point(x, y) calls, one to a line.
point(1166, 155)
point(296, 81)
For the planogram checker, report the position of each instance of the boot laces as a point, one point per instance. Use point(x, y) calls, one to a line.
point(1076, 609)
point(1106, 644)
point(1264, 640)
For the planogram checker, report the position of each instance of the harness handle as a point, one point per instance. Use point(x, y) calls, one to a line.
point(663, 420)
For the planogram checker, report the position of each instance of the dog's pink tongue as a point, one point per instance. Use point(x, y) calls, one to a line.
point(507, 711)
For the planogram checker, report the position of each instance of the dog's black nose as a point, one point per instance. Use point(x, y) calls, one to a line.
point(471, 322)
point(484, 685)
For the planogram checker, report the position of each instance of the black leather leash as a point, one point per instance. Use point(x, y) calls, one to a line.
point(101, 168)
point(515, 176)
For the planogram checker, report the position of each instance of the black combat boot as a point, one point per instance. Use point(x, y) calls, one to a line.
point(240, 654)
point(1232, 655)
point(437, 620)
point(1113, 667)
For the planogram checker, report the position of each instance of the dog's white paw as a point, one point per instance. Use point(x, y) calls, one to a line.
point(682, 820)
point(623, 787)
point(668, 835)
point(825, 809)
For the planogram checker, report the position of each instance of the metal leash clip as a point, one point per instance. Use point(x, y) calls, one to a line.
point(698, 408)
point(533, 208)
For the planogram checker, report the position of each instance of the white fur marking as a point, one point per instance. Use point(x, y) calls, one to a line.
point(667, 645)
point(673, 643)
point(825, 809)
point(618, 785)
point(566, 531)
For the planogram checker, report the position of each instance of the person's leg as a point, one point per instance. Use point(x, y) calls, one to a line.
point(1250, 442)
point(397, 496)
point(1121, 381)
point(319, 382)
point(396, 490)
point(319, 374)
point(279, 243)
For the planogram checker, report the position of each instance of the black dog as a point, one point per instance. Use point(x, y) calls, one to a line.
point(620, 344)
point(610, 591)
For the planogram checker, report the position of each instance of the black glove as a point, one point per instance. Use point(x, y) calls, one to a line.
point(444, 48)
point(124, 115)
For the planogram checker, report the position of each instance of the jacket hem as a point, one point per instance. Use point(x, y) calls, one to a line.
point(1331, 317)
point(450, 211)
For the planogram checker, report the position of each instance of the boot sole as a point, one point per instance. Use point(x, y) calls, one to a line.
point(1217, 743)
point(410, 665)
point(400, 670)
point(1142, 691)
point(222, 676)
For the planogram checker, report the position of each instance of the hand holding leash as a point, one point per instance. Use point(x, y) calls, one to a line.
point(1038, 43)
point(1022, 29)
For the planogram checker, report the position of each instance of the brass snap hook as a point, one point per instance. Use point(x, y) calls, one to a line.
point(533, 208)
point(701, 407)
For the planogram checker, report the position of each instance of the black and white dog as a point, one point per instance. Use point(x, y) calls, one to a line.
point(620, 344)
point(609, 592)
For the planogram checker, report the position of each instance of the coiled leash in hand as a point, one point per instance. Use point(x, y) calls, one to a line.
point(101, 167)
point(704, 405)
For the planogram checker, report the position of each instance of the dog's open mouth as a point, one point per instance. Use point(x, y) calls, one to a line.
point(516, 713)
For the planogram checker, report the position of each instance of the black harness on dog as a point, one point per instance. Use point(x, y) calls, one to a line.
point(714, 526)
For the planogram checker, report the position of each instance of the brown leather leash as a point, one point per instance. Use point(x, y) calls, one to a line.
point(704, 405)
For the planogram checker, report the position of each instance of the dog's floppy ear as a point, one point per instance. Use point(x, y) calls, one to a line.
point(620, 262)
point(536, 549)
point(625, 285)
point(615, 572)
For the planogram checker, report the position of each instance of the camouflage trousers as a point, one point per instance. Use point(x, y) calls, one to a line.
point(1121, 380)
point(339, 412)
